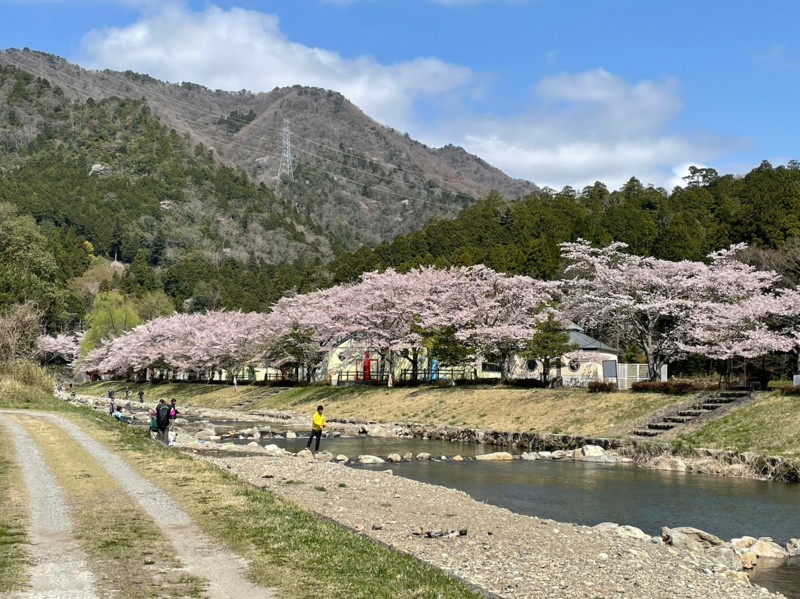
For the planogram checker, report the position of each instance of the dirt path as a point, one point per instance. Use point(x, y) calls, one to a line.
point(202, 557)
point(60, 569)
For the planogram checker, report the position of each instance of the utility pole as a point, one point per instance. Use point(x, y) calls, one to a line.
point(286, 155)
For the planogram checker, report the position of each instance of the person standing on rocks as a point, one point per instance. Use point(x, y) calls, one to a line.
point(162, 421)
point(141, 395)
point(318, 422)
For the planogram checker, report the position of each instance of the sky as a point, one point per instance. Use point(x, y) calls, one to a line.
point(559, 92)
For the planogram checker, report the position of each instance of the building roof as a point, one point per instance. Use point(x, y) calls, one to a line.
point(587, 343)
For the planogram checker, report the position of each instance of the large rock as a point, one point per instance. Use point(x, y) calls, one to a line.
point(380, 432)
point(274, 450)
point(606, 526)
point(370, 459)
point(497, 456)
point(324, 456)
point(423, 457)
point(767, 548)
point(742, 544)
point(592, 451)
point(342, 459)
point(394, 457)
point(305, 454)
point(793, 547)
point(725, 556)
point(631, 532)
point(530, 456)
point(669, 463)
point(749, 560)
point(691, 539)
point(291, 435)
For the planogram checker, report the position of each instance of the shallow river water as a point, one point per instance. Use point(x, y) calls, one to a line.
point(588, 493)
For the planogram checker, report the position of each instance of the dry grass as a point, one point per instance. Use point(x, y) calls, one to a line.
point(568, 411)
point(14, 515)
point(125, 548)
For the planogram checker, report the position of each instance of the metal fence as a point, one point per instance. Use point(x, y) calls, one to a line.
point(627, 374)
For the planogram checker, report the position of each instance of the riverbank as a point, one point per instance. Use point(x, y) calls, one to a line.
point(503, 553)
point(756, 439)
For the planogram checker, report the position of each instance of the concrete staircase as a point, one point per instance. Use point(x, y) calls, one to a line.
point(684, 415)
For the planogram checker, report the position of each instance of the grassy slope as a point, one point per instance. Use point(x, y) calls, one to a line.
point(768, 426)
point(570, 411)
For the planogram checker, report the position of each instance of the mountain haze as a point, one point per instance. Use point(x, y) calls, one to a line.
point(357, 180)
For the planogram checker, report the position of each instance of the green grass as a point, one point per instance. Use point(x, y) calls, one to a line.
point(768, 426)
point(14, 559)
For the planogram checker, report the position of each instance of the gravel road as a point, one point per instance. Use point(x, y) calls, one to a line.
point(60, 569)
point(201, 556)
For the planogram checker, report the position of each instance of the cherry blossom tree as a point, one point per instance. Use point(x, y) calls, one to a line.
point(63, 348)
point(498, 314)
point(196, 343)
point(671, 308)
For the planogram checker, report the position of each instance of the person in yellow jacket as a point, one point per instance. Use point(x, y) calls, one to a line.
point(318, 423)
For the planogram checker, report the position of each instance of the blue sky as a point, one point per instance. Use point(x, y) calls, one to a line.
point(560, 92)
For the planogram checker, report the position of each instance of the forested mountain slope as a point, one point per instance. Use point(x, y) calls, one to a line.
point(761, 209)
point(359, 181)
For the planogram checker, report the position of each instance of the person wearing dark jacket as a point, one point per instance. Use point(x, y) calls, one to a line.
point(162, 421)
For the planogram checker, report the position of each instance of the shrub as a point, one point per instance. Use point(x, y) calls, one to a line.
point(790, 391)
point(29, 374)
point(668, 387)
point(602, 387)
point(782, 385)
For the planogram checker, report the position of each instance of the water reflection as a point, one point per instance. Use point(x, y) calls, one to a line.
point(782, 578)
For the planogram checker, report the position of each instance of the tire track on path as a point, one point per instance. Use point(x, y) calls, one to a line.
point(202, 557)
point(60, 568)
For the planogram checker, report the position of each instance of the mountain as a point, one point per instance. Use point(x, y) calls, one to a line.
point(354, 180)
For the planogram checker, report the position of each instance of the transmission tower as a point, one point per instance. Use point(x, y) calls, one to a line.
point(286, 154)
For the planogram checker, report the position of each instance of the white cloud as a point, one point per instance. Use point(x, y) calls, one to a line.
point(242, 49)
point(578, 127)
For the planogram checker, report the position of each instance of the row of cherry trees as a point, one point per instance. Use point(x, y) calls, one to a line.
point(721, 309)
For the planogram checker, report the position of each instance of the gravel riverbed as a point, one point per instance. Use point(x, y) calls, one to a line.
point(502, 553)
